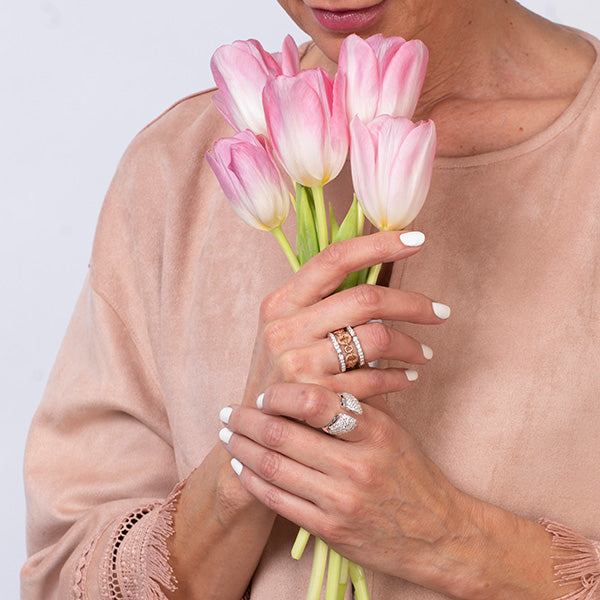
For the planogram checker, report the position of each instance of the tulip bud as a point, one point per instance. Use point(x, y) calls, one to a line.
point(241, 71)
point(251, 180)
point(383, 75)
point(306, 121)
point(392, 162)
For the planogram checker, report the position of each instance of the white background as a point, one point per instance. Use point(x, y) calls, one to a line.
point(77, 81)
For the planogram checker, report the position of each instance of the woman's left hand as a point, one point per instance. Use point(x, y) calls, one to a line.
point(371, 493)
point(377, 499)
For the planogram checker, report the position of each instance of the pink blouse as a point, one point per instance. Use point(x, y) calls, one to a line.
point(161, 338)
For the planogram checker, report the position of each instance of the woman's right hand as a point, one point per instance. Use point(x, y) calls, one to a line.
point(292, 343)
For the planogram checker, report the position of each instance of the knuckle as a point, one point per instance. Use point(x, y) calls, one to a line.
point(361, 474)
point(275, 334)
point(415, 304)
point(272, 499)
point(275, 433)
point(367, 296)
point(334, 256)
point(269, 307)
point(381, 336)
point(313, 404)
point(350, 508)
point(270, 465)
point(292, 364)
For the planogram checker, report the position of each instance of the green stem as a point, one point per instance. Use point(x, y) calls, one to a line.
point(300, 543)
point(318, 570)
point(321, 217)
point(333, 575)
point(343, 578)
point(361, 589)
point(373, 274)
point(287, 249)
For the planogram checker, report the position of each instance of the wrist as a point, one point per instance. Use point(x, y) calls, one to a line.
point(500, 556)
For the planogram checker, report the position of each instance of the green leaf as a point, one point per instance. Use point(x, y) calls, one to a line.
point(307, 244)
point(349, 227)
point(333, 223)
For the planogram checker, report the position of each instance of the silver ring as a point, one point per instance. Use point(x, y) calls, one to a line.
point(340, 424)
point(361, 355)
point(349, 402)
point(339, 352)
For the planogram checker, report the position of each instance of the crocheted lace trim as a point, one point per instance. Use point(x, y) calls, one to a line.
point(78, 588)
point(582, 566)
point(136, 565)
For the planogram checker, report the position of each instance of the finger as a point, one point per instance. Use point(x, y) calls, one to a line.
point(276, 468)
point(377, 341)
point(291, 507)
point(364, 303)
point(322, 275)
point(307, 446)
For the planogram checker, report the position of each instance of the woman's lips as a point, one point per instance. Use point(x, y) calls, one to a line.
point(348, 20)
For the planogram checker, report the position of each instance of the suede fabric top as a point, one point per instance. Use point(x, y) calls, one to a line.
point(161, 340)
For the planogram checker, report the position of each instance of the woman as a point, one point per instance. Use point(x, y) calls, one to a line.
point(438, 489)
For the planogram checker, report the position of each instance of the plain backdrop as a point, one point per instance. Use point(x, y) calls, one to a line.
point(77, 81)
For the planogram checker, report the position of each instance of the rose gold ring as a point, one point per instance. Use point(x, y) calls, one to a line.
point(348, 349)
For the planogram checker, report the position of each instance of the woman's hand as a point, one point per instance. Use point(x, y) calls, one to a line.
point(375, 497)
point(292, 343)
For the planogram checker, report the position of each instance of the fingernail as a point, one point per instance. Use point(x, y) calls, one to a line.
point(427, 352)
point(441, 310)
point(412, 238)
point(225, 435)
point(259, 401)
point(237, 466)
point(225, 414)
point(375, 321)
point(411, 375)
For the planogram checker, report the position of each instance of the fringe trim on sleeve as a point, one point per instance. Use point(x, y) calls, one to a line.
point(582, 566)
point(137, 567)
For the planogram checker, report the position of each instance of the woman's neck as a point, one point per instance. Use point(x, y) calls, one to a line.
point(497, 73)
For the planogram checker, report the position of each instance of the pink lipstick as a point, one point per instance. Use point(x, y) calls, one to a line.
point(348, 20)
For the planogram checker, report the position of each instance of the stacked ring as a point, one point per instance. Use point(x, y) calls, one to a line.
point(348, 349)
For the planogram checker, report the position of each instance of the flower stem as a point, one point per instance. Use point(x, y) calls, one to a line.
point(318, 570)
point(343, 578)
point(361, 589)
point(333, 575)
point(321, 216)
point(373, 274)
point(300, 543)
point(285, 246)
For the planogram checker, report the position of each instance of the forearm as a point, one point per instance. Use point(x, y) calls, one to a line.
point(220, 533)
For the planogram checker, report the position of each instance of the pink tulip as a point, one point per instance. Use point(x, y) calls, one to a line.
point(392, 162)
point(384, 76)
point(306, 121)
point(251, 180)
point(241, 71)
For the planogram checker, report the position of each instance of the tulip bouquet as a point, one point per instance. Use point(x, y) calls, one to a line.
point(302, 124)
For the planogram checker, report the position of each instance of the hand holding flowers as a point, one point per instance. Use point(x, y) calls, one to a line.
point(306, 116)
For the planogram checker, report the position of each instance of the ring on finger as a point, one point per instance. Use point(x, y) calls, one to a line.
point(348, 348)
point(343, 422)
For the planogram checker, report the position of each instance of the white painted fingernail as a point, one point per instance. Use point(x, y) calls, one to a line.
point(225, 414)
point(375, 321)
point(412, 238)
point(237, 466)
point(441, 310)
point(427, 352)
point(259, 401)
point(411, 375)
point(225, 435)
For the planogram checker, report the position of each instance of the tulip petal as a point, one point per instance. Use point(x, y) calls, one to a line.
point(290, 59)
point(359, 64)
point(403, 79)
